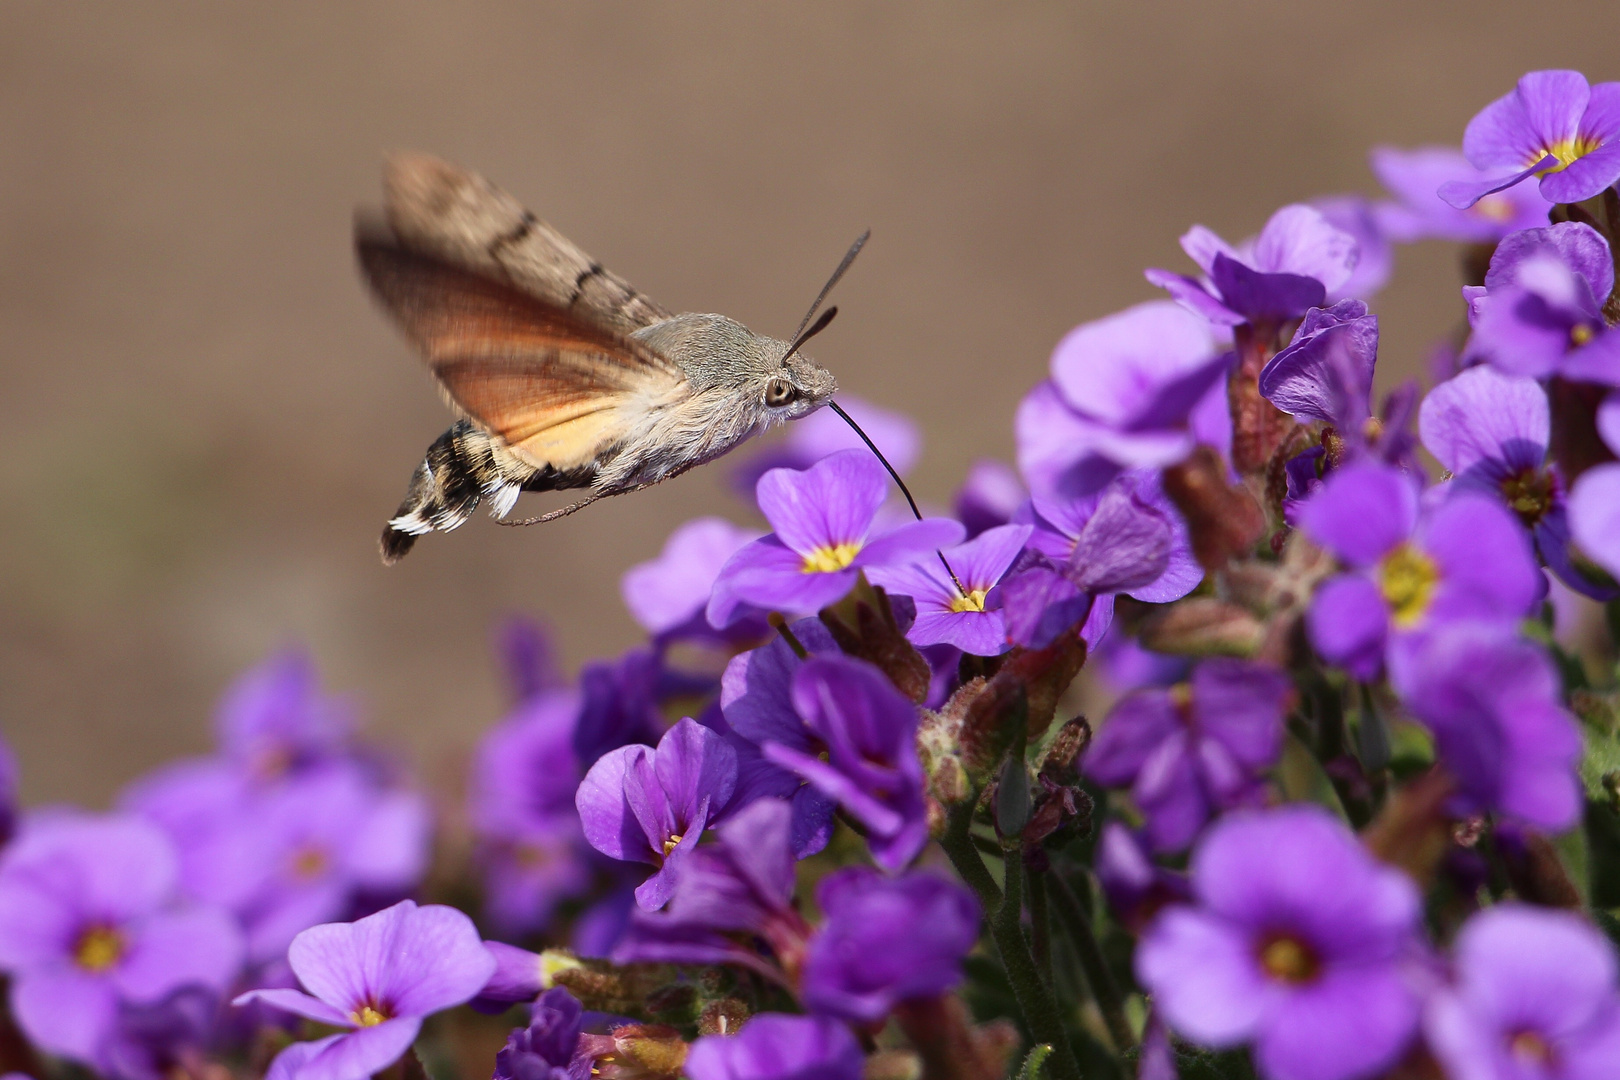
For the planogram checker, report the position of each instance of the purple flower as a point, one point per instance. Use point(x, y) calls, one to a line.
point(157, 1041)
point(644, 805)
point(378, 977)
point(1492, 698)
point(772, 1046)
point(1552, 125)
point(528, 658)
point(545, 1050)
point(274, 718)
point(1465, 557)
point(667, 595)
point(989, 496)
point(1491, 431)
point(525, 774)
point(1297, 944)
point(1533, 998)
point(1195, 749)
point(1122, 395)
point(1135, 886)
point(822, 519)
point(886, 940)
point(1594, 516)
point(1414, 177)
point(1293, 264)
point(1540, 311)
point(824, 432)
point(1326, 372)
point(952, 615)
point(88, 921)
point(869, 730)
point(1360, 219)
point(625, 699)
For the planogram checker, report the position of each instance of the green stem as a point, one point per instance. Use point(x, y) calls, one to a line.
point(1103, 987)
point(1035, 1002)
point(1040, 922)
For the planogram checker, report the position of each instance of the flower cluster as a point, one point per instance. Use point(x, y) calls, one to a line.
point(1352, 812)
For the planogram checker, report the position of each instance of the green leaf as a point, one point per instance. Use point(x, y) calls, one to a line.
point(1038, 1054)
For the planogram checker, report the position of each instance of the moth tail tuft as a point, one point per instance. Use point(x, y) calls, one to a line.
point(395, 544)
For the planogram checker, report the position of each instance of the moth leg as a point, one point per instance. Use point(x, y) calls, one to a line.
point(553, 515)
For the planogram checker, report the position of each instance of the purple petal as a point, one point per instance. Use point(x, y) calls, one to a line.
point(1170, 795)
point(769, 575)
point(410, 960)
point(1262, 297)
point(1125, 544)
point(1053, 440)
point(1594, 516)
point(286, 1064)
point(1116, 370)
point(1326, 372)
point(1135, 726)
point(1203, 977)
point(1482, 550)
point(666, 592)
point(695, 768)
point(1361, 512)
point(1414, 176)
point(757, 839)
point(1351, 1021)
point(1515, 129)
point(980, 562)
point(1585, 177)
point(1598, 361)
point(836, 785)
point(1463, 194)
point(1348, 623)
point(989, 496)
point(1039, 604)
point(1485, 416)
point(363, 1052)
point(1202, 245)
point(201, 946)
point(390, 849)
point(909, 540)
point(604, 813)
point(298, 1003)
point(754, 692)
point(1193, 296)
point(1243, 706)
point(1300, 240)
point(830, 503)
point(777, 1047)
point(64, 1011)
point(977, 633)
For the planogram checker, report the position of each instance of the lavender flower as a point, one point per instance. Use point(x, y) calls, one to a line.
point(1492, 700)
point(546, 1049)
point(89, 922)
point(1293, 264)
point(1361, 220)
point(886, 940)
point(1533, 996)
point(1195, 749)
point(1136, 887)
point(1297, 944)
point(378, 977)
point(528, 658)
point(154, 1042)
point(772, 1046)
point(274, 718)
point(1415, 176)
point(643, 805)
point(950, 602)
point(668, 595)
point(822, 519)
point(1463, 558)
point(1594, 516)
point(989, 496)
point(1326, 372)
point(1540, 311)
point(525, 774)
point(1122, 395)
point(869, 730)
point(625, 701)
point(1553, 125)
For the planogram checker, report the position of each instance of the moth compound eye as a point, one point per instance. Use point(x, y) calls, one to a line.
point(779, 392)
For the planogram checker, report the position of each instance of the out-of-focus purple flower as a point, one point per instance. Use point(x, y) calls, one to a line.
point(1298, 945)
point(625, 701)
point(1298, 258)
point(522, 809)
point(824, 432)
point(520, 975)
point(157, 1041)
point(1326, 372)
point(274, 718)
point(8, 793)
point(1553, 125)
point(668, 595)
point(1491, 431)
point(990, 496)
point(378, 977)
point(638, 804)
point(1415, 177)
point(822, 519)
point(1135, 886)
point(88, 921)
point(1195, 749)
point(743, 883)
point(528, 658)
point(545, 1050)
point(1121, 396)
point(1359, 218)
point(1492, 699)
point(952, 615)
point(886, 940)
point(1533, 996)
point(1465, 557)
point(1128, 666)
point(1594, 515)
point(869, 731)
point(1540, 311)
point(773, 1046)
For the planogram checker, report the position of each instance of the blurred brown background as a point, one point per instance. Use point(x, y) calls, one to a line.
point(206, 423)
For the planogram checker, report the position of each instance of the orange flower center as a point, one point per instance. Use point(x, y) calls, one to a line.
point(98, 948)
point(1288, 959)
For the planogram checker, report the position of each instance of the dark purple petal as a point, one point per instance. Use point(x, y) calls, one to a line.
point(1137, 724)
point(1193, 296)
point(1125, 544)
point(1242, 705)
point(754, 692)
point(1326, 372)
point(697, 770)
point(989, 496)
point(1040, 603)
point(298, 1003)
point(778, 1047)
point(1463, 194)
point(1262, 297)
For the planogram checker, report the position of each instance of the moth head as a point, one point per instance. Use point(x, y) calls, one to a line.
point(796, 387)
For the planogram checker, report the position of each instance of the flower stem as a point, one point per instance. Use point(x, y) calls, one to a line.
point(1103, 987)
point(1040, 1012)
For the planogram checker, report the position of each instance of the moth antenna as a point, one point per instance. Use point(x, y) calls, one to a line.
point(872, 446)
point(821, 324)
point(849, 257)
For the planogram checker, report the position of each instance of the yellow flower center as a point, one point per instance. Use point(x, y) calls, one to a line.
point(1580, 334)
point(99, 948)
point(1287, 959)
point(673, 842)
point(369, 1016)
point(309, 863)
point(1530, 1048)
point(973, 601)
point(830, 560)
point(1408, 579)
point(1567, 151)
point(1530, 493)
point(1497, 208)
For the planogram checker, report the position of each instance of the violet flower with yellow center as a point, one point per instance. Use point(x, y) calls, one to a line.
point(950, 589)
point(823, 521)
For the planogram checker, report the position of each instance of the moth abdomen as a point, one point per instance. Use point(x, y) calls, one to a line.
point(464, 466)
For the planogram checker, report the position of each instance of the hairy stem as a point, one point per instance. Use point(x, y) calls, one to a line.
point(1103, 987)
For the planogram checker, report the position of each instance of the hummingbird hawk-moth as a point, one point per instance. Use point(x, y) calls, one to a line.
point(565, 377)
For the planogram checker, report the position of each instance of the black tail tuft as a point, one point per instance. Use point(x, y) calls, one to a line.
point(395, 545)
